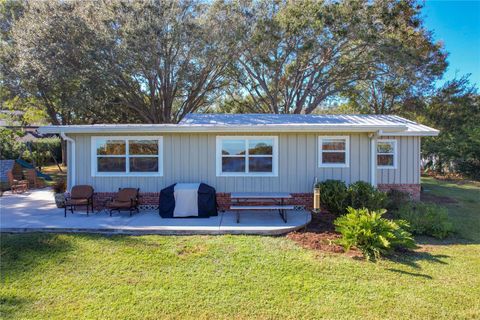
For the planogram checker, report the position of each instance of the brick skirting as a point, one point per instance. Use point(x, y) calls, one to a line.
point(151, 199)
point(412, 189)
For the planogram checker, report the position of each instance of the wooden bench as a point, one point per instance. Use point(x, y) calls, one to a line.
point(241, 201)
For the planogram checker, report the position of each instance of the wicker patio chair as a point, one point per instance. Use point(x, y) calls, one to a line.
point(81, 195)
point(126, 199)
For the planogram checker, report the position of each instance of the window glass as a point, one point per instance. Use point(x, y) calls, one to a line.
point(144, 164)
point(333, 157)
point(260, 147)
point(233, 147)
point(333, 144)
point(111, 147)
point(111, 164)
point(143, 147)
point(233, 164)
point(385, 160)
point(385, 147)
point(260, 164)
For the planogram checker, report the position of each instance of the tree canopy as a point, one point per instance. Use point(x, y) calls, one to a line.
point(156, 61)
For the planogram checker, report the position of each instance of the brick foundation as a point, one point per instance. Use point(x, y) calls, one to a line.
point(223, 198)
point(412, 189)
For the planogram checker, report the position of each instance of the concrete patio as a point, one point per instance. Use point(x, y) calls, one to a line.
point(35, 211)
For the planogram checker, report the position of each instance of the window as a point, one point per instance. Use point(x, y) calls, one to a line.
point(126, 156)
point(247, 156)
point(333, 151)
point(386, 154)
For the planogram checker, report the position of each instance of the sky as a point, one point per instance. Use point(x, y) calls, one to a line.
point(456, 23)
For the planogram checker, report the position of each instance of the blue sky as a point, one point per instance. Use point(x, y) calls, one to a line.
point(457, 24)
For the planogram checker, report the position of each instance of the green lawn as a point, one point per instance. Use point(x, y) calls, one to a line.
point(206, 277)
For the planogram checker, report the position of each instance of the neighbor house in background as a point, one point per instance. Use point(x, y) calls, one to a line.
point(246, 152)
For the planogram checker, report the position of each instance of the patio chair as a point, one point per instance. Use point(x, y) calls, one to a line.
point(17, 186)
point(81, 195)
point(126, 199)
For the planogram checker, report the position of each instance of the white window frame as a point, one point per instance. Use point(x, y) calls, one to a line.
point(394, 153)
point(220, 173)
point(94, 156)
point(333, 165)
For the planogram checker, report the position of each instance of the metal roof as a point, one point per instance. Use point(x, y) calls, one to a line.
point(384, 124)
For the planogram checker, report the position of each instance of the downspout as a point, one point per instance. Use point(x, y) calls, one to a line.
point(70, 159)
point(373, 157)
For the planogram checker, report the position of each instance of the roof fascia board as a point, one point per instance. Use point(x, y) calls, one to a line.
point(221, 128)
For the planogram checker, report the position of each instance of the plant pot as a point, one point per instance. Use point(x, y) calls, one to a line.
point(60, 200)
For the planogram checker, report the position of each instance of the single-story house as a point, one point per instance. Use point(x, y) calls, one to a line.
point(246, 152)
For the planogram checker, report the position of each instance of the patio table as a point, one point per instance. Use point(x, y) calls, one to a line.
point(241, 201)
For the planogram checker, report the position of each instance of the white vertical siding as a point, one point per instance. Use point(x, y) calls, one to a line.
point(191, 158)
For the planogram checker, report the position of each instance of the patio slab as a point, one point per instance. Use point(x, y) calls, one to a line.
point(35, 211)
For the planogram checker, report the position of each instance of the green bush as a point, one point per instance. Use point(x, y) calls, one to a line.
point(363, 195)
point(334, 195)
point(372, 234)
point(427, 219)
point(10, 148)
point(43, 151)
point(396, 199)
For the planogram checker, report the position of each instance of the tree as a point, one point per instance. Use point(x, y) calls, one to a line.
point(155, 61)
point(299, 55)
point(404, 71)
point(455, 111)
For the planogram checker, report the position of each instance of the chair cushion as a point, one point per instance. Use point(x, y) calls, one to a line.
point(127, 194)
point(76, 202)
point(119, 204)
point(81, 192)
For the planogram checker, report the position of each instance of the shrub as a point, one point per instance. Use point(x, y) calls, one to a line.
point(396, 199)
point(364, 195)
point(427, 219)
point(334, 195)
point(372, 234)
point(60, 186)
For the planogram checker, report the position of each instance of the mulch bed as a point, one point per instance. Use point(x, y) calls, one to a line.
point(320, 235)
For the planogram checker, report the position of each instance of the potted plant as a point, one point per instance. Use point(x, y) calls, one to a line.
point(59, 188)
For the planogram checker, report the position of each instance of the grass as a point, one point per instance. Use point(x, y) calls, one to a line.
point(466, 212)
point(55, 173)
point(218, 277)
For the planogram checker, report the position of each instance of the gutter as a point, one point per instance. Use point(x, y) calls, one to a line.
point(165, 128)
point(427, 133)
point(70, 159)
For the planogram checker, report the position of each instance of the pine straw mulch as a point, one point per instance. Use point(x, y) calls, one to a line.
point(320, 235)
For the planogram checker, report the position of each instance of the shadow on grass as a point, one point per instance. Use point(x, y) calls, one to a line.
point(11, 306)
point(418, 275)
point(21, 253)
point(413, 258)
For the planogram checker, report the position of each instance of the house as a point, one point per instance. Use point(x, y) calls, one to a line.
point(247, 152)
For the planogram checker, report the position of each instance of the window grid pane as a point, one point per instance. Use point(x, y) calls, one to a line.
point(128, 156)
point(256, 156)
point(386, 153)
point(333, 151)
